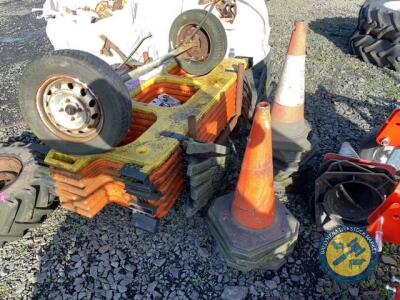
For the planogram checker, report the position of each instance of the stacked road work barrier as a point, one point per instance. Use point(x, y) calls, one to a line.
point(146, 173)
point(292, 147)
point(93, 188)
point(206, 168)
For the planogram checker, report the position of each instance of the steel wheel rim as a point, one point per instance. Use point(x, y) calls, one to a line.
point(69, 109)
point(10, 169)
point(202, 49)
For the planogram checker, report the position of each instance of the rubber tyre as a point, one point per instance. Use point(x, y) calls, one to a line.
point(217, 38)
point(28, 200)
point(381, 53)
point(380, 21)
point(106, 84)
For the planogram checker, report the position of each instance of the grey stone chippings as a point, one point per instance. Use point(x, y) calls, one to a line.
point(234, 293)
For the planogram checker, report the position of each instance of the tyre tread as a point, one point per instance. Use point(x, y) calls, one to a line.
point(103, 71)
point(23, 208)
point(380, 22)
point(382, 53)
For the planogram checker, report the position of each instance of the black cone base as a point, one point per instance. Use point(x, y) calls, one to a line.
point(247, 249)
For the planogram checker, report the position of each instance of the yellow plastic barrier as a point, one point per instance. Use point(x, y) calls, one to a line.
point(200, 96)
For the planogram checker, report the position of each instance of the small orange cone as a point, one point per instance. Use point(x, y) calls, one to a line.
point(254, 202)
point(290, 131)
point(253, 230)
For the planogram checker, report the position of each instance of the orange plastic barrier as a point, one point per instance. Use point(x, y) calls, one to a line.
point(178, 71)
point(209, 127)
point(139, 124)
point(179, 91)
point(88, 192)
point(99, 184)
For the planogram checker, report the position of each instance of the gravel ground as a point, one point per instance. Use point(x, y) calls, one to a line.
point(106, 258)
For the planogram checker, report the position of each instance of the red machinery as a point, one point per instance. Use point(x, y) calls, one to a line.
point(363, 189)
point(396, 289)
point(384, 222)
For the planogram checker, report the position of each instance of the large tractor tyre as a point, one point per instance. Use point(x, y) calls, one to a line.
point(75, 102)
point(25, 199)
point(210, 40)
point(382, 53)
point(381, 19)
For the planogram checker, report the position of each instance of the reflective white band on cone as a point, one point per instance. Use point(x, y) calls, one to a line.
point(289, 100)
point(291, 87)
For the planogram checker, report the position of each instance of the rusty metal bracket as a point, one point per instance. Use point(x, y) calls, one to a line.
point(227, 8)
point(137, 46)
point(222, 139)
point(156, 63)
point(109, 45)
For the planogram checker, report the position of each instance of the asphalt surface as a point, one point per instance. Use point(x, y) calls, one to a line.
point(70, 257)
point(22, 38)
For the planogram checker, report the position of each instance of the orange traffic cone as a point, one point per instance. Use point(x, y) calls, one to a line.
point(254, 202)
point(290, 131)
point(250, 227)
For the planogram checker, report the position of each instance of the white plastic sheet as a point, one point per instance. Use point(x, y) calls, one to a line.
point(247, 36)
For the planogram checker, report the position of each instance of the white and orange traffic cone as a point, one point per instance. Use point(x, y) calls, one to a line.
point(290, 131)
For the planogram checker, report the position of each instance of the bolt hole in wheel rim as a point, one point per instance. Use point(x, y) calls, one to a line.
point(69, 109)
point(393, 5)
point(202, 46)
point(10, 168)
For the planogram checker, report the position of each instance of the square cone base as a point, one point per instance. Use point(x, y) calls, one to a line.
point(246, 249)
point(293, 148)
